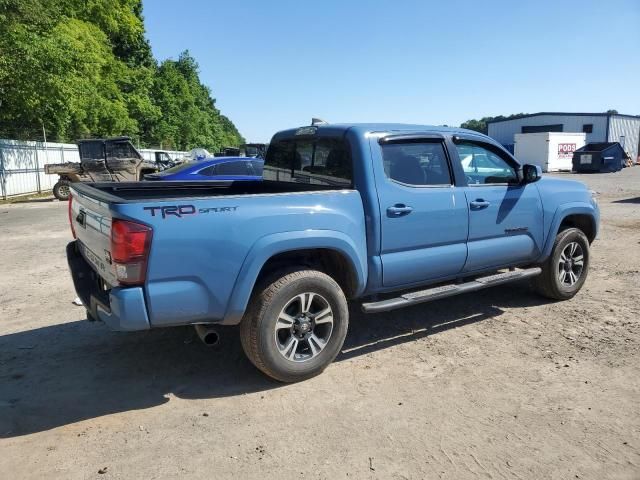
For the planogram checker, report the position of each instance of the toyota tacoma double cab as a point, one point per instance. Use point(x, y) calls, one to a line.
point(382, 215)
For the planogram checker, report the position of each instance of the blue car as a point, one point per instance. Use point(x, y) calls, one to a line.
point(221, 168)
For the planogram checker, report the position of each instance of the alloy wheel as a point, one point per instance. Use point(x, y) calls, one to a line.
point(304, 327)
point(570, 264)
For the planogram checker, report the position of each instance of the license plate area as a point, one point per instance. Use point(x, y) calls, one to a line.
point(101, 267)
point(89, 286)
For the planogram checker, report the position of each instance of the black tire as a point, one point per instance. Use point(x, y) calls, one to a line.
point(61, 190)
point(551, 282)
point(259, 328)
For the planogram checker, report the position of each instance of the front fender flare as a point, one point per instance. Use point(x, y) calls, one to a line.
point(268, 246)
point(562, 212)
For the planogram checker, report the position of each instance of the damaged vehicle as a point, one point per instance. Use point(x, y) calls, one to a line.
point(104, 160)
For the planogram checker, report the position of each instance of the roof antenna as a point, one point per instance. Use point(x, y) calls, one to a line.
point(318, 121)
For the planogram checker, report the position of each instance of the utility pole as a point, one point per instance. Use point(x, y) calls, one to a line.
point(46, 157)
point(3, 178)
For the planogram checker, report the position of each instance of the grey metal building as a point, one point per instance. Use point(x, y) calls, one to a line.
point(599, 127)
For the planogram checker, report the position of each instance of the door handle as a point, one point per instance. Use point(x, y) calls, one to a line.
point(479, 204)
point(399, 210)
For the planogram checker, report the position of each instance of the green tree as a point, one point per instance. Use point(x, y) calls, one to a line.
point(188, 117)
point(481, 125)
point(84, 68)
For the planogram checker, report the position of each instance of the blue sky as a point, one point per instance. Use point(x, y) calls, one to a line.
point(274, 64)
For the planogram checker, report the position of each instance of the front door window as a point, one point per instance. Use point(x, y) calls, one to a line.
point(483, 166)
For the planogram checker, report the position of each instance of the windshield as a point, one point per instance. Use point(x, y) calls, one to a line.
point(177, 168)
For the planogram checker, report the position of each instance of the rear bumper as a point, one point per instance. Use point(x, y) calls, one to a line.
point(122, 309)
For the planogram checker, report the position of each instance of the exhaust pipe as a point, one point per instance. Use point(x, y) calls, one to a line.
point(208, 335)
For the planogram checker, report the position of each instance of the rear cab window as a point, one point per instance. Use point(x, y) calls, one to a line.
point(91, 150)
point(324, 161)
point(121, 150)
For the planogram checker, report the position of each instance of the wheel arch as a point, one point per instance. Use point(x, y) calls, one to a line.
point(581, 221)
point(328, 251)
point(574, 215)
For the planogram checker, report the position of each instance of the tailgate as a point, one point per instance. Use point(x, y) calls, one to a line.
point(91, 220)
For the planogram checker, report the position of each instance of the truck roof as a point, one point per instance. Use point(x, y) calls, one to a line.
point(363, 128)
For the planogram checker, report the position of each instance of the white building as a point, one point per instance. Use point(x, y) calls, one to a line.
point(599, 127)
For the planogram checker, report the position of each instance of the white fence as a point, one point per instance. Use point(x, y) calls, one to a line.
point(22, 164)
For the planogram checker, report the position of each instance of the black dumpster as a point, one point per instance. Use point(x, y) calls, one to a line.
point(599, 157)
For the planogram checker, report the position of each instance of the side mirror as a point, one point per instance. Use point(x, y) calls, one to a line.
point(531, 173)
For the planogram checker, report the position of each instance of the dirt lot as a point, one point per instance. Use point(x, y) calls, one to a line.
point(497, 384)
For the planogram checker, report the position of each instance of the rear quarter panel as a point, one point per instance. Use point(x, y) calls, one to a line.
point(203, 265)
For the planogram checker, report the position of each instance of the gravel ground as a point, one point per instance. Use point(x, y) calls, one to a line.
point(498, 384)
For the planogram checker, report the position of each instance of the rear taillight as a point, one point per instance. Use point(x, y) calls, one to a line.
point(130, 244)
point(70, 208)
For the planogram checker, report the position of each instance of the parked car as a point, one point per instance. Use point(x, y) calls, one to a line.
point(164, 161)
point(220, 168)
point(102, 160)
point(256, 150)
point(345, 212)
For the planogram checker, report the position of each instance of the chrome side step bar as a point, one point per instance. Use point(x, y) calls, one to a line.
point(449, 290)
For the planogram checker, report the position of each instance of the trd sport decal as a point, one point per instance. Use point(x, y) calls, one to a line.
point(184, 210)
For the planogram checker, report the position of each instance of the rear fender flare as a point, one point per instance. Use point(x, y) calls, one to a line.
point(277, 243)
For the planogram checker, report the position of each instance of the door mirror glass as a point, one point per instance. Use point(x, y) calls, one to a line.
point(531, 173)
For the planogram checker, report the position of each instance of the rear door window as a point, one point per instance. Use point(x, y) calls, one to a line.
point(320, 161)
point(419, 164)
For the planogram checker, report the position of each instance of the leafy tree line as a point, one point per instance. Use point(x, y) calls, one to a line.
point(481, 125)
point(84, 68)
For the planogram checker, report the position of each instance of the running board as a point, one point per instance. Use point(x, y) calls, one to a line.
point(449, 290)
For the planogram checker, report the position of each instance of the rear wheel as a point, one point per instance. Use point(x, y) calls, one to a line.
point(61, 190)
point(295, 325)
point(565, 271)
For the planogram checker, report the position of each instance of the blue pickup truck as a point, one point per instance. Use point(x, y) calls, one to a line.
point(382, 215)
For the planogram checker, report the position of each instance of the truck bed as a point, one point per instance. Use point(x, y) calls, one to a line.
point(127, 192)
point(227, 231)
